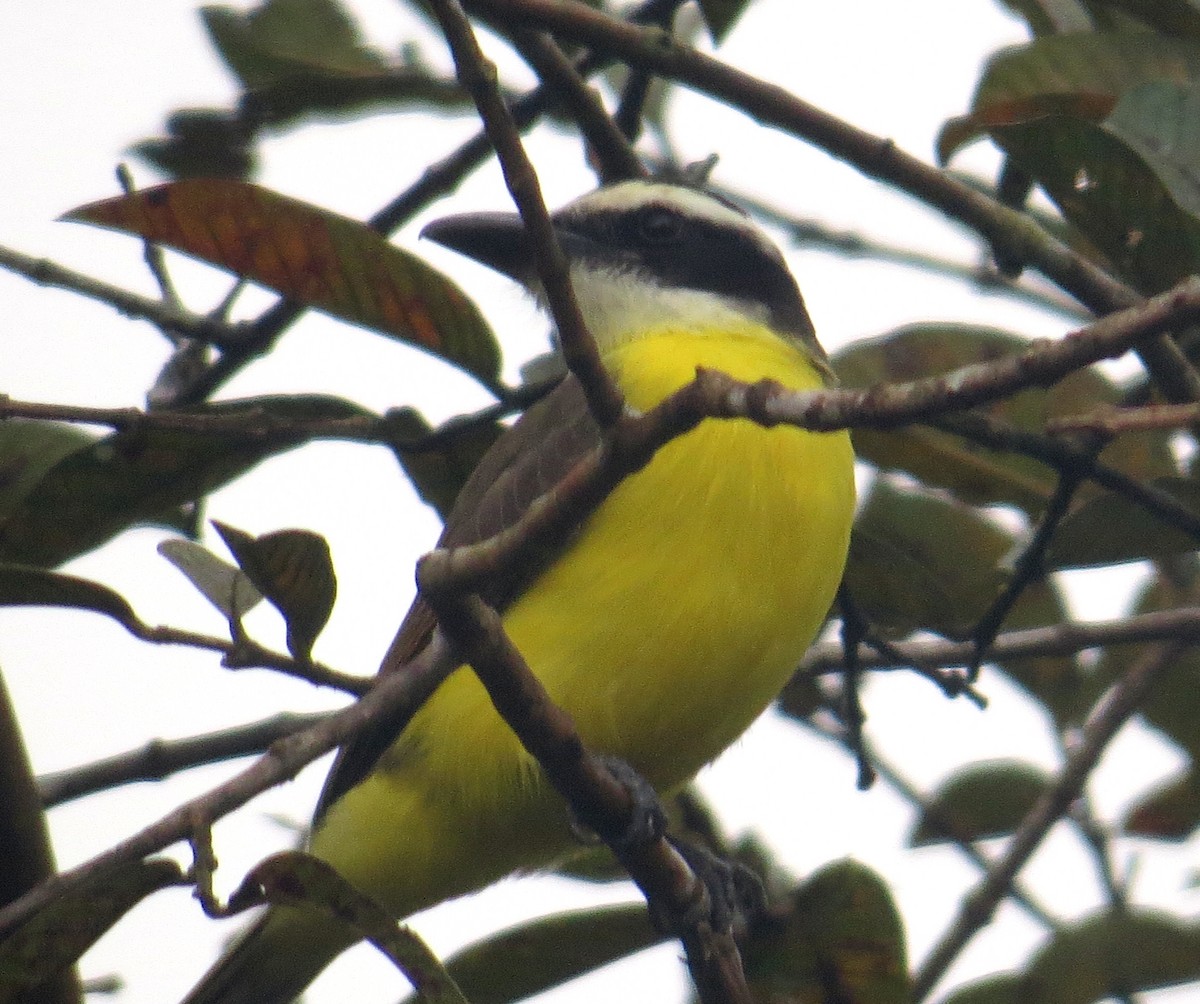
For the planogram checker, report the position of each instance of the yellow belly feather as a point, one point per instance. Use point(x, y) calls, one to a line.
point(670, 624)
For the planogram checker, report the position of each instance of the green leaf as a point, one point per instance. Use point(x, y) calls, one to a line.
point(55, 937)
point(310, 255)
point(294, 878)
point(533, 957)
point(1109, 192)
point(1111, 529)
point(841, 930)
point(918, 561)
point(144, 475)
point(225, 586)
point(1117, 953)
point(283, 37)
point(28, 449)
point(1004, 988)
point(293, 569)
point(22, 585)
point(1161, 122)
point(1169, 812)
point(981, 800)
point(1173, 705)
point(439, 471)
point(974, 473)
point(721, 16)
point(1082, 74)
point(1057, 682)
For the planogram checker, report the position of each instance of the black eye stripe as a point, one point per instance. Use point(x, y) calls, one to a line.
point(664, 243)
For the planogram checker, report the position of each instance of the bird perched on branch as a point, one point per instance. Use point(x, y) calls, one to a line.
point(666, 625)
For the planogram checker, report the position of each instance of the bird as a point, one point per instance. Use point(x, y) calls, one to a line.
point(667, 623)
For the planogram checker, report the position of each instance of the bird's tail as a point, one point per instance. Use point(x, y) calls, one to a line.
point(274, 959)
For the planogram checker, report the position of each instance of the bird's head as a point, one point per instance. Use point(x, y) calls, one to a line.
point(649, 255)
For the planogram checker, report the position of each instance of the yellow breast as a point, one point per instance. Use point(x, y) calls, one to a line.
point(669, 624)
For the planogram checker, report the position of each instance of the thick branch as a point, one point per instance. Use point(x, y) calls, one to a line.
point(600, 801)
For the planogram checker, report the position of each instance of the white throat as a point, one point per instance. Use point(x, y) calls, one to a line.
point(619, 307)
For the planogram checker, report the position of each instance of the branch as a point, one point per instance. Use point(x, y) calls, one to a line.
point(478, 76)
point(394, 698)
point(600, 801)
point(160, 758)
point(714, 395)
point(164, 315)
point(977, 908)
point(804, 232)
point(615, 158)
point(1015, 237)
point(837, 732)
point(1069, 459)
point(1181, 624)
point(1114, 421)
point(262, 424)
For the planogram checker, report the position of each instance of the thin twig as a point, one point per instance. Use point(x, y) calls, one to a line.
point(160, 758)
point(607, 145)
point(1114, 421)
point(164, 315)
point(1114, 709)
point(393, 698)
point(478, 75)
point(1028, 568)
point(1181, 624)
point(1067, 458)
point(894, 779)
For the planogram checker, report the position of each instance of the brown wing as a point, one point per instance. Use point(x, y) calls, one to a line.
point(529, 459)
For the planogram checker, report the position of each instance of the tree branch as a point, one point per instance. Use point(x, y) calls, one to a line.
point(160, 758)
point(478, 75)
point(1181, 624)
point(393, 698)
point(599, 800)
point(977, 908)
point(162, 314)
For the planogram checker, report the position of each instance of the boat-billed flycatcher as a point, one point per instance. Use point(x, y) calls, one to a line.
point(670, 621)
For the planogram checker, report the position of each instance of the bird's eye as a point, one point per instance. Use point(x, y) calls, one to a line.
point(657, 225)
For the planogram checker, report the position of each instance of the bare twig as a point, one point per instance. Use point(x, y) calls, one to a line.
point(977, 908)
point(1182, 624)
point(394, 697)
point(478, 75)
point(164, 315)
point(894, 779)
point(1114, 421)
point(1027, 569)
point(614, 157)
point(160, 758)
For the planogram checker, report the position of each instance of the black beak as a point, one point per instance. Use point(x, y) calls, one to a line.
point(497, 240)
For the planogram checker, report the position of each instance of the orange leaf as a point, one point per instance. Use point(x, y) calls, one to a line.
point(310, 255)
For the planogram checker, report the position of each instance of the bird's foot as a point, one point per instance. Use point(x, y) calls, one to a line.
point(735, 892)
point(647, 818)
